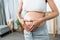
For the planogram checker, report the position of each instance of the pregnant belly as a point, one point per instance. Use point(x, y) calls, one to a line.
point(33, 16)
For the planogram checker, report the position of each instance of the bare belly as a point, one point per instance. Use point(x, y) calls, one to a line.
point(33, 16)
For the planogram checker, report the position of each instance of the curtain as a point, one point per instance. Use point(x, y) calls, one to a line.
point(2, 13)
point(11, 8)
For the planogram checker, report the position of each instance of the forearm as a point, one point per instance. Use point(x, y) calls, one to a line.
point(19, 13)
point(54, 9)
point(50, 16)
point(19, 10)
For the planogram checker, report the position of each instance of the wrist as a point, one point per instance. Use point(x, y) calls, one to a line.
point(44, 19)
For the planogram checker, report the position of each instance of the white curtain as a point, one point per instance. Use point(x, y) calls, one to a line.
point(11, 8)
point(2, 13)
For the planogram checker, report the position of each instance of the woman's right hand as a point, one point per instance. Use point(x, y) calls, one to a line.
point(22, 21)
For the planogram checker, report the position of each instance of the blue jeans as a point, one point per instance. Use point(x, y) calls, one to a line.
point(40, 33)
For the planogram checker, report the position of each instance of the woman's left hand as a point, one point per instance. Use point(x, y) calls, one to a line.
point(36, 24)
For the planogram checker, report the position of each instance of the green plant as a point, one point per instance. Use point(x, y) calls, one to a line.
point(18, 23)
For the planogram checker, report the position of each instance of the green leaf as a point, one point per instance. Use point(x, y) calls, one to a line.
point(18, 23)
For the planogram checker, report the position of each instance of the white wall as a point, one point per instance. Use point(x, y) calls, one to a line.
point(49, 23)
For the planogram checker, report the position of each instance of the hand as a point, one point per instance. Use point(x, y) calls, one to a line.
point(37, 24)
point(27, 26)
point(22, 21)
point(30, 24)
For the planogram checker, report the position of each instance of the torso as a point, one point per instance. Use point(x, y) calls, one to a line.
point(34, 12)
point(34, 9)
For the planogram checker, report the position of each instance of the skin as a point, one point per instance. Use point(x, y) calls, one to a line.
point(33, 23)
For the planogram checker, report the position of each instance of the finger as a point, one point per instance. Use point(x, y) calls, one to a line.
point(26, 27)
point(32, 27)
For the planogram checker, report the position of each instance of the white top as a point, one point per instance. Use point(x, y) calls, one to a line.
point(34, 5)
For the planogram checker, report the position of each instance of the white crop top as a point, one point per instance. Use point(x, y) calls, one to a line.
point(34, 5)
